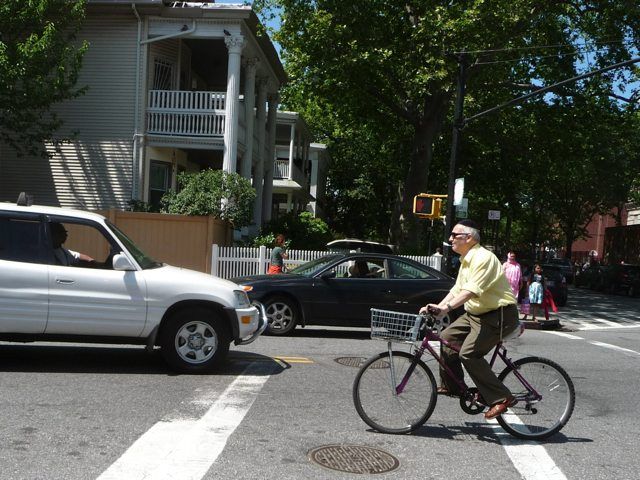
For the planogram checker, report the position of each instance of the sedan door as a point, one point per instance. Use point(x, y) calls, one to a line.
point(413, 286)
point(90, 298)
point(346, 298)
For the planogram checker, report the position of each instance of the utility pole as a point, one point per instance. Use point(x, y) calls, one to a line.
point(458, 123)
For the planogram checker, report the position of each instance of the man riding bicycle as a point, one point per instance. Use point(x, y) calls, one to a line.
point(490, 314)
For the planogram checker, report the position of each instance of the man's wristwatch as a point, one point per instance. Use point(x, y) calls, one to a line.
point(449, 308)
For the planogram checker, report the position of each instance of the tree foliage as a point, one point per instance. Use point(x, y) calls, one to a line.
point(227, 196)
point(38, 67)
point(302, 231)
point(385, 73)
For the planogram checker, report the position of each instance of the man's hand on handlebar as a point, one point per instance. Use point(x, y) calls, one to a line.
point(432, 309)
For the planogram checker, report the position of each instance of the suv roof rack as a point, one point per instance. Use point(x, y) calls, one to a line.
point(24, 200)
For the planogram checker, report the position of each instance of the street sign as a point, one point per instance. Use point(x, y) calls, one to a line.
point(462, 210)
point(458, 191)
point(494, 214)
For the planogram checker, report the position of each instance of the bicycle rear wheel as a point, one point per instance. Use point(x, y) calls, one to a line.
point(532, 418)
point(376, 400)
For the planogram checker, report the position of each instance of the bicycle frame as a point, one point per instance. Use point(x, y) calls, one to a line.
point(499, 351)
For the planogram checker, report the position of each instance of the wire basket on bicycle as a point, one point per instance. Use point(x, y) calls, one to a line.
point(395, 326)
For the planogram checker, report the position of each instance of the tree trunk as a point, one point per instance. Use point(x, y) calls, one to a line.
point(404, 225)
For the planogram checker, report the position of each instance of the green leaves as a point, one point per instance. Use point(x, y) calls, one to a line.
point(302, 231)
point(226, 196)
point(376, 81)
point(38, 67)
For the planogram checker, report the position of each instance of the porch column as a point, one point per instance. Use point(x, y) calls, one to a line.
point(267, 202)
point(249, 104)
point(235, 45)
point(258, 174)
point(292, 149)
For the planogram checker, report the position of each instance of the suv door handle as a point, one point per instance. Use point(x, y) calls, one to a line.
point(64, 281)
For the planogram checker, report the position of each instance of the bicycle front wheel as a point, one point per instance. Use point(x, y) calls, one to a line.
point(537, 418)
point(377, 401)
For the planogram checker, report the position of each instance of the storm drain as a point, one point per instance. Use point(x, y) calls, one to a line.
point(350, 361)
point(354, 459)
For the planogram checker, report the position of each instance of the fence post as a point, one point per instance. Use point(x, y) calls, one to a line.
point(215, 255)
point(262, 258)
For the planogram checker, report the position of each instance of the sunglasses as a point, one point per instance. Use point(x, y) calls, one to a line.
point(458, 234)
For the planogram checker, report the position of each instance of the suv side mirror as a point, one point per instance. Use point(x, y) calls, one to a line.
point(122, 263)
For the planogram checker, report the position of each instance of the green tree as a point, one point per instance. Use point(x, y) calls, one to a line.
point(388, 64)
point(302, 231)
point(226, 196)
point(38, 67)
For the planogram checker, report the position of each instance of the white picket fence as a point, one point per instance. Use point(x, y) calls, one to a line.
point(230, 262)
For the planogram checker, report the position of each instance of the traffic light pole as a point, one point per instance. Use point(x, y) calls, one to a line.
point(458, 123)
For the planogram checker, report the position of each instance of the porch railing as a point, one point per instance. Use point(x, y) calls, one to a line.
point(281, 169)
point(181, 112)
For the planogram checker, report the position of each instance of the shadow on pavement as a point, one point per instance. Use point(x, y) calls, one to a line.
point(115, 359)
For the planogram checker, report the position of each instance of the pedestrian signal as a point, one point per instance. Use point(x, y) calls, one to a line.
point(427, 205)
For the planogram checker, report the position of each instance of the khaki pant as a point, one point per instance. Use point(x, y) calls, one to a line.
point(478, 334)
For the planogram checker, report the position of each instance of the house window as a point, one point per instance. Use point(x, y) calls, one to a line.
point(159, 182)
point(163, 74)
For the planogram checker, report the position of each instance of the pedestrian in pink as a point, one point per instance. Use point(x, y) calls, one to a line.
point(513, 272)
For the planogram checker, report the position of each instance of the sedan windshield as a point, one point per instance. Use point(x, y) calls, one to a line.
point(311, 268)
point(143, 260)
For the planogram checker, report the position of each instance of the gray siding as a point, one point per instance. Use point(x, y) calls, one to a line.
point(95, 169)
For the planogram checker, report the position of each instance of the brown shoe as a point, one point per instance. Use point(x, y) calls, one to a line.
point(500, 408)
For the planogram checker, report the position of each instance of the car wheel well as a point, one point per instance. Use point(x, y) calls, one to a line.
point(176, 308)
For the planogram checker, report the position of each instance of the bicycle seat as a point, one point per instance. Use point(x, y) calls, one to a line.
point(519, 330)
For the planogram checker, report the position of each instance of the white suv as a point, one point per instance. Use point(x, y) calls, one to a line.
point(109, 291)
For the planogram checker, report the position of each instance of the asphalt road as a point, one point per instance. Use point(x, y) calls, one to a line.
point(86, 412)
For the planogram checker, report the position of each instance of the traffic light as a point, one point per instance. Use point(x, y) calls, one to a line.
point(427, 205)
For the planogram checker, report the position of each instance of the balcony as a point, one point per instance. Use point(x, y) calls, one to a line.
point(281, 169)
point(186, 113)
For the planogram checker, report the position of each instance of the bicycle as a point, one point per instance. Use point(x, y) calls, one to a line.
point(395, 391)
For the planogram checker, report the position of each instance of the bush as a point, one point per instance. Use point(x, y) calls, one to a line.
point(226, 196)
point(302, 231)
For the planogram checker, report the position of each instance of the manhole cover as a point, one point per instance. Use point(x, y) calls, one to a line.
point(354, 459)
point(350, 361)
point(358, 361)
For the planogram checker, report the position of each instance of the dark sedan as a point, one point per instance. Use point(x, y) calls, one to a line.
point(340, 289)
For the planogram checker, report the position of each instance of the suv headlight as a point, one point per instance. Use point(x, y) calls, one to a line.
point(241, 298)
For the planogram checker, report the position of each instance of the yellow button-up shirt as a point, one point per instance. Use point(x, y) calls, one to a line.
point(481, 273)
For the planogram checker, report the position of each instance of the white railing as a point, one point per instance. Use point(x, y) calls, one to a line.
point(180, 112)
point(230, 262)
point(281, 169)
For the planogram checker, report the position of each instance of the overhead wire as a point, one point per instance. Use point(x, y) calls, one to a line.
point(535, 47)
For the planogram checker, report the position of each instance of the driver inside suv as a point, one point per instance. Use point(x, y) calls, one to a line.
point(64, 256)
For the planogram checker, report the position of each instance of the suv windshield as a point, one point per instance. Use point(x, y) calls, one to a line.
point(143, 260)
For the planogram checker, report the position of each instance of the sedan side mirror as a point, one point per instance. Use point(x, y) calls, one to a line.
point(122, 263)
point(328, 275)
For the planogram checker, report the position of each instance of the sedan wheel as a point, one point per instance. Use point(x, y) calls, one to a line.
point(282, 314)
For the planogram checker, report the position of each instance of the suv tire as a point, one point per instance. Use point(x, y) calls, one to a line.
point(194, 340)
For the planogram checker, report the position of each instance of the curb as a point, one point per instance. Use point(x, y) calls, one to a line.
point(541, 324)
